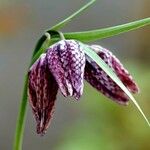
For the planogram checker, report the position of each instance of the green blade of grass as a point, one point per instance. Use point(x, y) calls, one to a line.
point(67, 20)
point(93, 35)
point(112, 75)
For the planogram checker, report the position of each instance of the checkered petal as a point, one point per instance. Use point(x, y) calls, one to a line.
point(66, 61)
point(42, 93)
point(102, 82)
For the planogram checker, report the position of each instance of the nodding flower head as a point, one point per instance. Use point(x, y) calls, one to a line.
point(66, 61)
point(64, 66)
point(42, 93)
point(102, 82)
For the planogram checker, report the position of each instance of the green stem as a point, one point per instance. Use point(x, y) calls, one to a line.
point(21, 119)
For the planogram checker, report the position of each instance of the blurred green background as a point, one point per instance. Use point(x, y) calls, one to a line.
point(95, 122)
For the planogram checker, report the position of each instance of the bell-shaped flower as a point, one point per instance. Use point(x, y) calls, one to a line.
point(102, 82)
point(62, 66)
point(42, 93)
point(66, 61)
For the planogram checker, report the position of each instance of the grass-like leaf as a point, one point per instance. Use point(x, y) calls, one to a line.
point(67, 20)
point(93, 35)
point(112, 75)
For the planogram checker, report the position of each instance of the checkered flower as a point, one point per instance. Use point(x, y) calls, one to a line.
point(64, 66)
point(102, 82)
point(61, 67)
point(42, 93)
point(66, 61)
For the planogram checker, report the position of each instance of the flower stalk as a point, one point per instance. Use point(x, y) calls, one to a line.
point(21, 118)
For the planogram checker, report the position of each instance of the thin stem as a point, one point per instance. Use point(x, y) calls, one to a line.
point(61, 35)
point(21, 118)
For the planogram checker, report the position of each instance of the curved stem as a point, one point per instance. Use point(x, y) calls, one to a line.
point(61, 35)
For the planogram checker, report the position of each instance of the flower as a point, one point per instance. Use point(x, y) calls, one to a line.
point(102, 82)
point(61, 66)
point(66, 61)
point(64, 66)
point(42, 93)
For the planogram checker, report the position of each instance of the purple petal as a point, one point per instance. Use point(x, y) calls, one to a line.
point(102, 82)
point(42, 93)
point(66, 61)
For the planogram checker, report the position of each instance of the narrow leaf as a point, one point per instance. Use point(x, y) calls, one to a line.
point(112, 75)
point(93, 35)
point(67, 20)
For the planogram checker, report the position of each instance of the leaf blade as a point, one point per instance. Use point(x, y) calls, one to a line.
point(94, 35)
point(113, 76)
point(68, 19)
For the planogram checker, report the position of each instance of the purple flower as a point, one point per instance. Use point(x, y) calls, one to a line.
point(66, 61)
point(42, 93)
point(102, 82)
point(64, 66)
